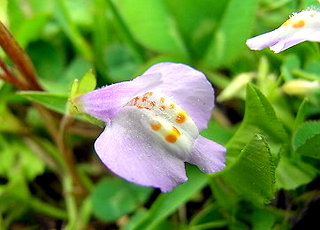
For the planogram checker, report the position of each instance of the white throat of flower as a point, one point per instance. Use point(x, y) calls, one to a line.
point(170, 125)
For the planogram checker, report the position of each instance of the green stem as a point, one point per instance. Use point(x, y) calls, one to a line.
point(63, 17)
point(47, 209)
point(211, 225)
point(79, 189)
point(70, 203)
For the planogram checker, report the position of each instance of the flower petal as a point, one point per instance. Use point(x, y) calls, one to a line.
point(207, 155)
point(104, 103)
point(303, 26)
point(128, 149)
point(188, 87)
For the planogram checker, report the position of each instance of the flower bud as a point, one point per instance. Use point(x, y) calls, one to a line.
point(300, 87)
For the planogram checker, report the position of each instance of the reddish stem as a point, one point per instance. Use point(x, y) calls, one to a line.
point(19, 58)
point(8, 76)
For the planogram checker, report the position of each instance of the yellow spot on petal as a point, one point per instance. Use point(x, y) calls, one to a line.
point(156, 126)
point(286, 23)
point(162, 99)
point(172, 106)
point(175, 131)
point(298, 24)
point(181, 117)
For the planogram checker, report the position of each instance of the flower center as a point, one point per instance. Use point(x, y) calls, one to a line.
point(166, 120)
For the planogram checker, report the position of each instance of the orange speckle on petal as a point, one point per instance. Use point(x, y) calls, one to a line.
point(298, 24)
point(162, 99)
point(181, 117)
point(156, 126)
point(172, 106)
point(171, 138)
point(163, 107)
point(148, 94)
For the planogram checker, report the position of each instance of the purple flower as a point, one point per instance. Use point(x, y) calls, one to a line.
point(300, 27)
point(153, 125)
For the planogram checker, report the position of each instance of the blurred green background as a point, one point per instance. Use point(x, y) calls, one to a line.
point(272, 178)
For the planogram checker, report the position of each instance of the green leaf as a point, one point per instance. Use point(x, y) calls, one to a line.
point(229, 40)
point(31, 28)
point(196, 22)
point(262, 219)
point(301, 114)
point(167, 203)
point(307, 139)
point(18, 159)
point(251, 176)
point(56, 102)
point(120, 63)
point(259, 118)
point(65, 20)
point(114, 198)
point(151, 25)
point(49, 67)
point(292, 174)
point(217, 133)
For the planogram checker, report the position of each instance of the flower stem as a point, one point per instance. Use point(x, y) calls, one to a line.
point(19, 58)
point(79, 188)
point(47, 209)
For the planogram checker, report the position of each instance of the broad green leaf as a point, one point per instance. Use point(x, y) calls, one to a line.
point(56, 102)
point(290, 62)
point(18, 159)
point(31, 28)
point(229, 40)
point(251, 176)
point(262, 219)
point(302, 113)
point(167, 203)
point(307, 139)
point(305, 131)
point(101, 36)
point(292, 174)
point(311, 147)
point(114, 198)
point(63, 16)
point(49, 66)
point(151, 25)
point(196, 22)
point(120, 63)
point(217, 133)
point(15, 15)
point(259, 118)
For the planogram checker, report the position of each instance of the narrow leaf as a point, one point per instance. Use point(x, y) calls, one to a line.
point(56, 102)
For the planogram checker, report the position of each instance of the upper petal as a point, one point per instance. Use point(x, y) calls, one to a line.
point(105, 103)
point(188, 87)
point(130, 150)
